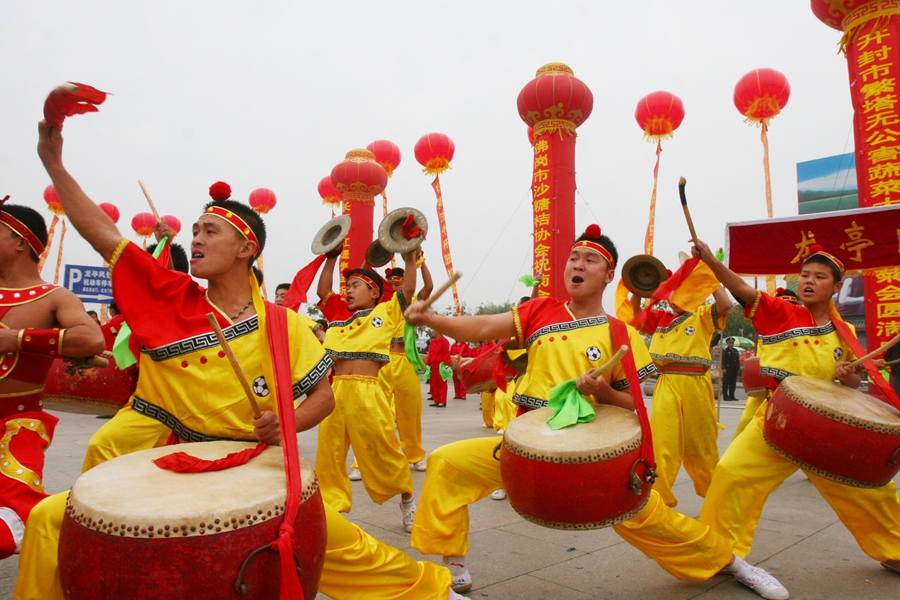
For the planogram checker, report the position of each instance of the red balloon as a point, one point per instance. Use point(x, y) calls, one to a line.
point(387, 154)
point(52, 200)
point(262, 200)
point(328, 192)
point(434, 151)
point(761, 94)
point(143, 224)
point(111, 211)
point(359, 177)
point(659, 114)
point(556, 98)
point(172, 222)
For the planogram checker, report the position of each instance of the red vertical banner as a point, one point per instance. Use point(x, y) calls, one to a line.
point(872, 46)
point(345, 249)
point(445, 241)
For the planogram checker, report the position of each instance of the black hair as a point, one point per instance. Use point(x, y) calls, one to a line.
point(375, 277)
point(92, 313)
point(258, 274)
point(396, 272)
point(250, 217)
point(824, 260)
point(323, 324)
point(114, 308)
point(283, 286)
point(605, 242)
point(179, 256)
point(789, 294)
point(523, 300)
point(31, 219)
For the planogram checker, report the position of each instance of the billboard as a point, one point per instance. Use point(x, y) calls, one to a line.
point(827, 184)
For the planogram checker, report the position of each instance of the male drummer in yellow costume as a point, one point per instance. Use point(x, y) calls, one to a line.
point(796, 340)
point(359, 339)
point(227, 239)
point(683, 416)
point(38, 323)
point(565, 340)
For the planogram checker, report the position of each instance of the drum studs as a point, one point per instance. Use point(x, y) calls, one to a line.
point(217, 521)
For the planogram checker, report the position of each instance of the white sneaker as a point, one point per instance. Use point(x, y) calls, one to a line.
point(758, 580)
point(454, 596)
point(420, 466)
point(355, 475)
point(499, 494)
point(408, 509)
point(462, 580)
point(500, 432)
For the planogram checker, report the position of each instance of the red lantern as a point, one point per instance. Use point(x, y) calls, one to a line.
point(111, 211)
point(359, 178)
point(387, 154)
point(531, 136)
point(172, 222)
point(659, 114)
point(329, 193)
point(262, 200)
point(761, 94)
point(434, 151)
point(143, 224)
point(555, 99)
point(52, 200)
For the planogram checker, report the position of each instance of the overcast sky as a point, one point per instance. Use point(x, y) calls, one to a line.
point(273, 94)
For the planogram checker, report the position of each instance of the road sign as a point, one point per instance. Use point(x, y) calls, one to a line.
point(90, 284)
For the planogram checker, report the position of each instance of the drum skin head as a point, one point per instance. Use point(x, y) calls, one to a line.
point(842, 403)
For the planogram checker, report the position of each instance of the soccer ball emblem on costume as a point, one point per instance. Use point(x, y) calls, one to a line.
point(838, 353)
point(593, 353)
point(260, 388)
point(377, 322)
point(689, 331)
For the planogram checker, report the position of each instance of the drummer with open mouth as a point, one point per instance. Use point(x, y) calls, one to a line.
point(565, 340)
point(796, 340)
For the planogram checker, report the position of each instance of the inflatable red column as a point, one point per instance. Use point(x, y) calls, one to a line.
point(871, 44)
point(358, 179)
point(554, 103)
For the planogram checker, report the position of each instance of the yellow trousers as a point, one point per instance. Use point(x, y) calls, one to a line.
point(464, 472)
point(399, 380)
point(684, 428)
point(504, 408)
point(362, 418)
point(127, 432)
point(487, 408)
point(753, 404)
point(750, 470)
point(356, 567)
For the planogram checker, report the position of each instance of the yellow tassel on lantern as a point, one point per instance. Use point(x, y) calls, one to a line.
point(436, 165)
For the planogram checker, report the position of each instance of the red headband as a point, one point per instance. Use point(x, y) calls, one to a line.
point(598, 249)
point(20, 229)
point(817, 250)
point(367, 280)
point(235, 221)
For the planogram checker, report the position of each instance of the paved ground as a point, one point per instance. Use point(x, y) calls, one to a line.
point(799, 539)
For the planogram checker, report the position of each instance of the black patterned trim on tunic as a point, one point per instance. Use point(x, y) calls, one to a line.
point(684, 359)
point(565, 327)
point(798, 332)
point(678, 321)
point(398, 340)
point(357, 315)
point(403, 303)
point(643, 374)
point(778, 374)
point(315, 375)
point(359, 356)
point(529, 401)
point(202, 342)
point(152, 411)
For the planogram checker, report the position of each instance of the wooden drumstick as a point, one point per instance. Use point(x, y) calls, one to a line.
point(610, 363)
point(234, 364)
point(149, 201)
point(887, 345)
point(98, 362)
point(438, 292)
point(687, 214)
point(892, 362)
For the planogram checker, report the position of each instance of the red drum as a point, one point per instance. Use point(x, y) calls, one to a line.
point(454, 363)
point(95, 391)
point(133, 530)
point(476, 375)
point(833, 431)
point(580, 477)
point(756, 384)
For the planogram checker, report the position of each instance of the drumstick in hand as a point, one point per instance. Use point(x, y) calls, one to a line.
point(610, 363)
point(687, 214)
point(437, 293)
point(887, 345)
point(149, 201)
point(234, 364)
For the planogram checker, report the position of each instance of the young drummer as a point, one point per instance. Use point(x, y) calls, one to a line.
point(185, 375)
point(796, 340)
point(565, 340)
point(359, 339)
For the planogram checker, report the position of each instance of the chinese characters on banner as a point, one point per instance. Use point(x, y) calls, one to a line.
point(344, 263)
point(873, 57)
point(445, 241)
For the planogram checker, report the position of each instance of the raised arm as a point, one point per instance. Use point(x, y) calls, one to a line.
point(326, 278)
point(409, 275)
point(475, 328)
point(427, 282)
point(90, 221)
point(731, 280)
point(723, 303)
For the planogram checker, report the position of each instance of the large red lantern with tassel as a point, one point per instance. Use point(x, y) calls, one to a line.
point(328, 192)
point(111, 211)
point(658, 114)
point(262, 200)
point(172, 222)
point(387, 154)
point(554, 103)
point(143, 224)
point(52, 200)
point(358, 178)
point(434, 151)
point(761, 94)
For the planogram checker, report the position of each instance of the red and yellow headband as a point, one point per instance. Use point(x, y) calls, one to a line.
point(367, 280)
point(594, 232)
point(19, 228)
point(235, 221)
point(817, 250)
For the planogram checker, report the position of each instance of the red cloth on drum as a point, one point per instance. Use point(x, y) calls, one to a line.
point(110, 330)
